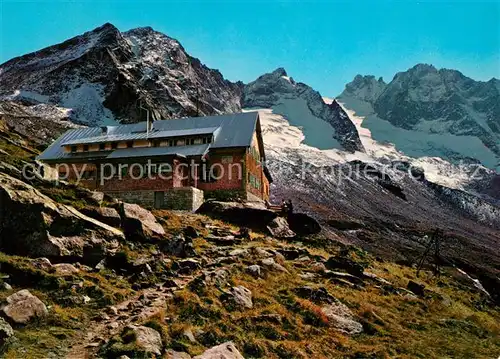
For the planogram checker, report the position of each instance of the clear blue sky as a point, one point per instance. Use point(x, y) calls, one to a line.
point(324, 44)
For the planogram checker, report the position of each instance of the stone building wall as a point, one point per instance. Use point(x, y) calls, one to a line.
point(142, 198)
point(185, 198)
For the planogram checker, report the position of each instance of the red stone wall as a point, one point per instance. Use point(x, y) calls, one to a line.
point(232, 166)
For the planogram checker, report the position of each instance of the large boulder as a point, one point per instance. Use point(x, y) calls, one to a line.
point(248, 214)
point(279, 228)
point(21, 307)
point(341, 318)
point(139, 223)
point(146, 339)
point(240, 297)
point(223, 351)
point(346, 264)
point(32, 224)
point(107, 215)
point(303, 224)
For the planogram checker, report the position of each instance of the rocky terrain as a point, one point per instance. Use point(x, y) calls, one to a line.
point(84, 276)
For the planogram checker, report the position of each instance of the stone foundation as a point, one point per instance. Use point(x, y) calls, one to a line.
point(142, 198)
point(184, 198)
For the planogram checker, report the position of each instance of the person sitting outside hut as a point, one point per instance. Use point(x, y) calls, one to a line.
point(284, 208)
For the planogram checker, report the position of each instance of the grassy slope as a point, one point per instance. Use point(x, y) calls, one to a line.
point(455, 323)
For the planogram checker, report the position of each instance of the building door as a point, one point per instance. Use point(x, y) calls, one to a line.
point(159, 198)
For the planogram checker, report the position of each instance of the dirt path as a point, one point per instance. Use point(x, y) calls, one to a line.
point(110, 322)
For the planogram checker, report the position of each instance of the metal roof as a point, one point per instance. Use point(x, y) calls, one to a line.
point(183, 151)
point(233, 130)
point(236, 130)
point(141, 136)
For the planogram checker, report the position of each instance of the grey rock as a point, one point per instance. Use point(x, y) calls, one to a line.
point(107, 215)
point(191, 232)
point(148, 339)
point(239, 252)
point(223, 351)
point(23, 306)
point(240, 296)
point(45, 228)
point(65, 269)
point(187, 266)
point(6, 334)
point(139, 223)
point(42, 263)
point(341, 318)
point(255, 270)
point(270, 264)
point(172, 354)
point(248, 214)
point(278, 228)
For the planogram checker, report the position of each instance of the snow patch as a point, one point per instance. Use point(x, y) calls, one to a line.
point(86, 104)
point(28, 95)
point(413, 143)
point(317, 132)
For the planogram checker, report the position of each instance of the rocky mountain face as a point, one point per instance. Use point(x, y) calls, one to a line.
point(443, 112)
point(41, 123)
point(324, 125)
point(105, 76)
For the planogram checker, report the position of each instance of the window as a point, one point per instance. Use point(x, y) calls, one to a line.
point(190, 141)
point(207, 139)
point(114, 145)
point(124, 170)
point(74, 148)
point(85, 148)
point(102, 146)
point(156, 143)
point(254, 181)
point(87, 175)
point(180, 142)
point(255, 154)
point(130, 144)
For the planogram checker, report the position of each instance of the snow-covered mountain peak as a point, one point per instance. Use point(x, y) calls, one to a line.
point(103, 75)
point(367, 87)
point(324, 126)
point(429, 112)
